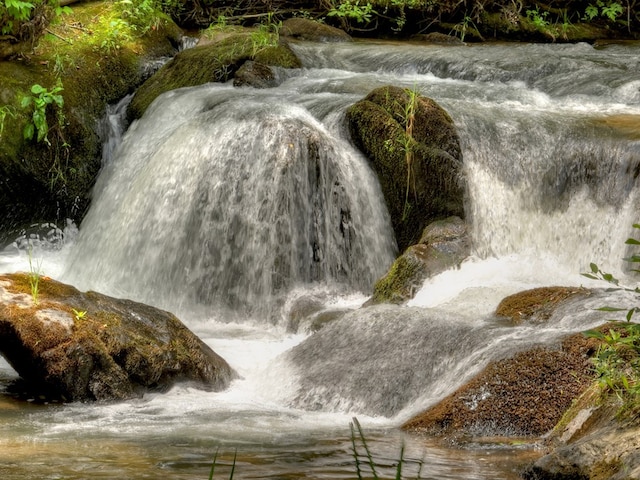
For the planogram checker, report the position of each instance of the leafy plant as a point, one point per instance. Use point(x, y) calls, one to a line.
point(39, 99)
point(538, 18)
point(17, 11)
point(79, 314)
point(118, 34)
point(353, 11)
point(617, 361)
point(610, 10)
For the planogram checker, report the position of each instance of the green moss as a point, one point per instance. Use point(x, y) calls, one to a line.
point(399, 284)
point(45, 182)
point(378, 125)
point(211, 62)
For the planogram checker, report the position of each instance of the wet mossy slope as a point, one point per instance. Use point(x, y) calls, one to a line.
point(51, 179)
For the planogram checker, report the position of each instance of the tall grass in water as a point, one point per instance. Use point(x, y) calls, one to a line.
point(213, 465)
point(357, 436)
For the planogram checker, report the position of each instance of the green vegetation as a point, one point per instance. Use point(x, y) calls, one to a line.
point(617, 361)
point(38, 102)
point(357, 435)
point(34, 275)
point(213, 465)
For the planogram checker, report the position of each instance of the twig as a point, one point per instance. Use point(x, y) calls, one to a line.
point(60, 37)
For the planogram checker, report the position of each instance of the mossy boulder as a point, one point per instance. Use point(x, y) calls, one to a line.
point(313, 31)
point(444, 244)
point(210, 62)
point(75, 346)
point(414, 148)
point(525, 395)
point(51, 179)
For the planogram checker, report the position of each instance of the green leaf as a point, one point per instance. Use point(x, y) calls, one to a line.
point(28, 131)
point(593, 334)
point(611, 309)
point(588, 275)
point(594, 268)
point(26, 101)
point(37, 89)
point(632, 241)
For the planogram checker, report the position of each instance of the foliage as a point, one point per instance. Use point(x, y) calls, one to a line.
point(610, 10)
point(617, 361)
point(407, 141)
point(349, 10)
point(538, 18)
point(79, 314)
point(38, 101)
point(266, 35)
point(17, 11)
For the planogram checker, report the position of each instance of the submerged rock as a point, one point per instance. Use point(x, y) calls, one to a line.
point(414, 149)
point(72, 345)
point(443, 245)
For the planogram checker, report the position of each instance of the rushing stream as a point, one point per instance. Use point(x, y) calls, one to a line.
point(236, 208)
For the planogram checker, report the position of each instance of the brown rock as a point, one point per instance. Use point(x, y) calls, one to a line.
point(74, 346)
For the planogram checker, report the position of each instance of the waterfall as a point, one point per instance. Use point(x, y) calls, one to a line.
point(224, 203)
point(231, 199)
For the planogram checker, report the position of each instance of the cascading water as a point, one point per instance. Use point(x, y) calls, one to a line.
point(226, 203)
point(246, 195)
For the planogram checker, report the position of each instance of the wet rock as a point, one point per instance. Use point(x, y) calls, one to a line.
point(254, 74)
point(443, 245)
point(536, 305)
point(310, 30)
point(416, 156)
point(214, 62)
point(75, 346)
point(525, 395)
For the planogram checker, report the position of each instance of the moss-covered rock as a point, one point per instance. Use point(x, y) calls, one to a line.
point(536, 305)
point(94, 66)
point(313, 31)
point(443, 245)
point(414, 148)
point(71, 345)
point(525, 395)
point(211, 62)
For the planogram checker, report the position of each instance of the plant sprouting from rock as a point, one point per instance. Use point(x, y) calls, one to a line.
point(38, 102)
point(617, 361)
point(34, 275)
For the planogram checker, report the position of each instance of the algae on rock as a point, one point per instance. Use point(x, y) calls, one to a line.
point(429, 186)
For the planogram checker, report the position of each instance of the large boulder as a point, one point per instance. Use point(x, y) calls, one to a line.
point(525, 395)
point(71, 346)
point(414, 148)
point(210, 62)
point(444, 244)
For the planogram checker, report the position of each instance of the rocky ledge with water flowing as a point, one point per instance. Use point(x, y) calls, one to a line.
point(69, 345)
